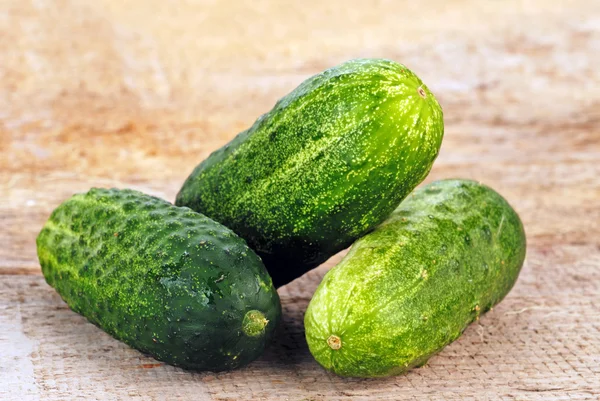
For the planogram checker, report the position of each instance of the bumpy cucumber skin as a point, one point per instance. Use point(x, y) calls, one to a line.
point(451, 251)
point(326, 165)
point(163, 279)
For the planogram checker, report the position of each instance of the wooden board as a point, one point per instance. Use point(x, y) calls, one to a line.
point(135, 94)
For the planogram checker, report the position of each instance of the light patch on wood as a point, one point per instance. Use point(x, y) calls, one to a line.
point(16, 353)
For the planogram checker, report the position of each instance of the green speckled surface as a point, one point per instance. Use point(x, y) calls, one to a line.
point(451, 251)
point(326, 165)
point(164, 279)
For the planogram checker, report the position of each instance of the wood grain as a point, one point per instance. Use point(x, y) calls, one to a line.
point(135, 94)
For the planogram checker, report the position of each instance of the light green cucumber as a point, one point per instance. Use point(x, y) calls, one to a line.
point(447, 254)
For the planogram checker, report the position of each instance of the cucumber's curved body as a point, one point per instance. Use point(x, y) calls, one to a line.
point(450, 252)
point(163, 279)
point(326, 165)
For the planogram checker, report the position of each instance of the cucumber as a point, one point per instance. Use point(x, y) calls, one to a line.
point(450, 252)
point(163, 279)
point(326, 165)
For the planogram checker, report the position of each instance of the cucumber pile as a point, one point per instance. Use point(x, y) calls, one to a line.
point(335, 163)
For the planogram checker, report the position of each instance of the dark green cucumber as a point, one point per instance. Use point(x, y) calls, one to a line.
point(450, 252)
point(326, 165)
point(163, 279)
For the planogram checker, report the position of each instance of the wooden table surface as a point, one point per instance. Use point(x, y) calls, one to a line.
point(135, 93)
